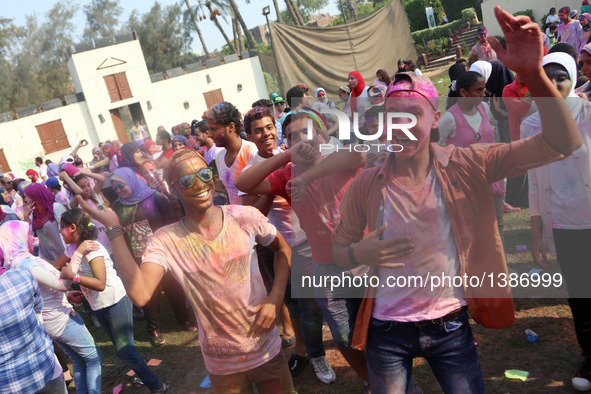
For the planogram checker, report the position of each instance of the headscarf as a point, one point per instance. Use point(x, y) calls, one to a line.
point(70, 169)
point(116, 144)
point(110, 150)
point(573, 101)
point(357, 90)
point(318, 91)
point(44, 200)
point(96, 150)
point(182, 139)
point(455, 72)
point(585, 2)
point(149, 144)
point(500, 77)
point(125, 156)
point(53, 169)
point(33, 173)
point(185, 129)
point(15, 242)
point(482, 67)
point(139, 190)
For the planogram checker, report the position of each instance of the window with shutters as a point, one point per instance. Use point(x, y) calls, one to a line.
point(4, 167)
point(118, 87)
point(213, 97)
point(53, 136)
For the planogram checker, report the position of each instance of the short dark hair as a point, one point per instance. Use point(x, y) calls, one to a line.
point(262, 103)
point(48, 162)
point(461, 60)
point(77, 216)
point(565, 48)
point(225, 113)
point(38, 160)
point(79, 177)
point(202, 126)
point(255, 114)
point(294, 96)
point(163, 135)
point(481, 29)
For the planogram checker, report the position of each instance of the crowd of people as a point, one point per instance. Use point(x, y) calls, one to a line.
point(227, 214)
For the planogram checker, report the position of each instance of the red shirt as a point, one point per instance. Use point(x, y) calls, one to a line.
point(168, 153)
point(318, 210)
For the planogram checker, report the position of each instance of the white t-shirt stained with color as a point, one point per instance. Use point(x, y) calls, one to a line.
point(222, 280)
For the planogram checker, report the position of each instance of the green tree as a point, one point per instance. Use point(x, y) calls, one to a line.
point(102, 19)
point(9, 33)
point(165, 43)
point(453, 8)
point(190, 13)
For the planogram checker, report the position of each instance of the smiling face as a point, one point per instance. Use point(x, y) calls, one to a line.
point(200, 195)
point(122, 189)
point(264, 134)
point(427, 120)
point(352, 82)
point(219, 133)
point(86, 187)
point(559, 77)
point(321, 96)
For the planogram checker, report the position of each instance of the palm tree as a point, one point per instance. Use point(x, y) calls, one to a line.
point(238, 16)
point(292, 8)
point(213, 15)
point(276, 5)
point(197, 27)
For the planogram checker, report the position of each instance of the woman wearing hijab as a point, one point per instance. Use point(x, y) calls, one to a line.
point(46, 214)
point(358, 98)
point(33, 175)
point(180, 141)
point(560, 208)
point(321, 98)
point(130, 156)
point(141, 212)
point(60, 320)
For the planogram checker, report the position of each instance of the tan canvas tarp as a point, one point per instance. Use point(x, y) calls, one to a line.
point(325, 56)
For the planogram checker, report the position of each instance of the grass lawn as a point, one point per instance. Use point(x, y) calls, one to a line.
point(550, 361)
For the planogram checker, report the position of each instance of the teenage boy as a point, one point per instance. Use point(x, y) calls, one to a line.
point(568, 29)
point(163, 139)
point(201, 132)
point(42, 168)
point(318, 215)
point(209, 252)
point(260, 129)
point(225, 125)
point(430, 212)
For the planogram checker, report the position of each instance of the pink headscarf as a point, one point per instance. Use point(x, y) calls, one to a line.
point(43, 199)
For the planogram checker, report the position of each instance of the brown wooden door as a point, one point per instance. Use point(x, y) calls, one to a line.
point(119, 126)
point(213, 97)
point(4, 167)
point(53, 136)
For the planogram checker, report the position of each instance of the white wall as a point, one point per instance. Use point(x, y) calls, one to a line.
point(21, 142)
point(540, 8)
point(169, 95)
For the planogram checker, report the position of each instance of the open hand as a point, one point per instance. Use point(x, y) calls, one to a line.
point(87, 247)
point(107, 217)
point(524, 41)
point(375, 252)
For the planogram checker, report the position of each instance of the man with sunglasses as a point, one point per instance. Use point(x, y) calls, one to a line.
point(210, 254)
point(482, 50)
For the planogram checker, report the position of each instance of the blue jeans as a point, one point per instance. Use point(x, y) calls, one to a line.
point(448, 348)
point(117, 321)
point(85, 355)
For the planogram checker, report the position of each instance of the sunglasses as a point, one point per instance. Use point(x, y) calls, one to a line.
point(118, 187)
point(482, 34)
point(187, 181)
point(279, 104)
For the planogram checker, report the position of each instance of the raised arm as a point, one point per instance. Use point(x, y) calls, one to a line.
point(524, 56)
point(100, 180)
point(140, 282)
point(73, 186)
point(253, 179)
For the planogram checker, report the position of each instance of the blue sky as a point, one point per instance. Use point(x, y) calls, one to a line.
point(252, 14)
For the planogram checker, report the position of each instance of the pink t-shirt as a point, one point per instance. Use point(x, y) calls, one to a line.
point(318, 210)
point(221, 279)
point(420, 214)
point(228, 175)
point(570, 33)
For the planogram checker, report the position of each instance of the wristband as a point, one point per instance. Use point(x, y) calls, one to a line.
point(76, 278)
point(352, 258)
point(114, 231)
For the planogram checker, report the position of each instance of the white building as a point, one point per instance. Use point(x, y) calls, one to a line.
point(113, 90)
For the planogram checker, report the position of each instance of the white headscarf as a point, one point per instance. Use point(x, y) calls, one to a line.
point(573, 101)
point(483, 68)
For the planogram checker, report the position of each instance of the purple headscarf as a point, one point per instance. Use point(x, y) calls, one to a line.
point(139, 190)
point(125, 156)
point(43, 199)
point(183, 139)
point(53, 170)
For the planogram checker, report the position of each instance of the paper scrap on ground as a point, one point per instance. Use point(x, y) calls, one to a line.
point(117, 389)
point(521, 248)
point(206, 384)
point(534, 271)
point(154, 362)
point(130, 373)
point(516, 374)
